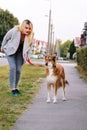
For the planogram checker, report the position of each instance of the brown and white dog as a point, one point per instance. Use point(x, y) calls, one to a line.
point(55, 77)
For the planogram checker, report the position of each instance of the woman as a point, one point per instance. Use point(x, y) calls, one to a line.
point(17, 44)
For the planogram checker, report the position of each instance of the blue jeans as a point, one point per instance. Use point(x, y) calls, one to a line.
point(15, 62)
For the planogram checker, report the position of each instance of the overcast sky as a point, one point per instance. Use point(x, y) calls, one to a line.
point(68, 16)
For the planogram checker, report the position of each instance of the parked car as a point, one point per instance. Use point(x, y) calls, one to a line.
point(34, 56)
point(60, 58)
point(40, 56)
point(74, 56)
point(2, 54)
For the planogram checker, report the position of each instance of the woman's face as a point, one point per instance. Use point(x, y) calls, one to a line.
point(27, 29)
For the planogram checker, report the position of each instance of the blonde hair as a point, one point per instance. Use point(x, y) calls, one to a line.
point(21, 28)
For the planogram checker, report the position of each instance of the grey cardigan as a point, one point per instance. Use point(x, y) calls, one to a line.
point(11, 42)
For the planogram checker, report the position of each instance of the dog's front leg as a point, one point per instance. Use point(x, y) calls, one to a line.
point(63, 94)
point(48, 93)
point(55, 93)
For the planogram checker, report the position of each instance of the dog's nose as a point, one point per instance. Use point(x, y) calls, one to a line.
point(46, 64)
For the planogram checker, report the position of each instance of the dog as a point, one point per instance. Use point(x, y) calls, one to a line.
point(55, 76)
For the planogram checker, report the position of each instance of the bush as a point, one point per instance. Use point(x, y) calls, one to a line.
point(82, 57)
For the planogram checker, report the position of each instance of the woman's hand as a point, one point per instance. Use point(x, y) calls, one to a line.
point(2, 50)
point(39, 65)
point(29, 61)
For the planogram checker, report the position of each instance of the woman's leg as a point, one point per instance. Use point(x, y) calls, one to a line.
point(15, 62)
point(12, 72)
point(19, 63)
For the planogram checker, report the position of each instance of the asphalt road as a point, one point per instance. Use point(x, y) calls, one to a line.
point(3, 61)
point(64, 115)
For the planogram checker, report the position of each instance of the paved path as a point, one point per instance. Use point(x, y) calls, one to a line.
point(65, 115)
point(3, 61)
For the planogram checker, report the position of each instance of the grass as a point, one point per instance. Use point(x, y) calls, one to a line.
point(83, 73)
point(11, 107)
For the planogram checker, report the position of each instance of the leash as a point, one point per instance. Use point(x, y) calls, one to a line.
point(30, 62)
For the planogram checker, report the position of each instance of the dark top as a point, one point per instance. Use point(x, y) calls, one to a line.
point(20, 48)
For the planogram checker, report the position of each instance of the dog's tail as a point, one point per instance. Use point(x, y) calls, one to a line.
point(66, 82)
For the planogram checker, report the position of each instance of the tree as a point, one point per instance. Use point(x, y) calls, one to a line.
point(7, 21)
point(65, 48)
point(72, 49)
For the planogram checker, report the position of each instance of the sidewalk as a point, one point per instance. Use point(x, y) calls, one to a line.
point(65, 115)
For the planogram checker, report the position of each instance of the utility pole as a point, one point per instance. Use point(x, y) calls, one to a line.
point(49, 32)
point(49, 48)
point(53, 42)
point(51, 39)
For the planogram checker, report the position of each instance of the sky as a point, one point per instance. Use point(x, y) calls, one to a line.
point(68, 16)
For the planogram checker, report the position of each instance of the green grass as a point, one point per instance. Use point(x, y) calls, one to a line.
point(83, 73)
point(11, 107)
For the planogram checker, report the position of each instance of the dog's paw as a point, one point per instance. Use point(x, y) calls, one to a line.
point(64, 99)
point(48, 100)
point(54, 101)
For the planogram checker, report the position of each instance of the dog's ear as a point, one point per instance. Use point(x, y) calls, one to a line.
point(45, 56)
point(54, 57)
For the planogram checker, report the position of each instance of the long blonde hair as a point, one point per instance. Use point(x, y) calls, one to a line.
point(21, 28)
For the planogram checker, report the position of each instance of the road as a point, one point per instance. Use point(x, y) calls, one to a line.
point(3, 62)
point(65, 115)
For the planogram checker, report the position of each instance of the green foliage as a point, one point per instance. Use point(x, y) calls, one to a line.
point(64, 48)
point(72, 49)
point(7, 21)
point(82, 57)
point(83, 73)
